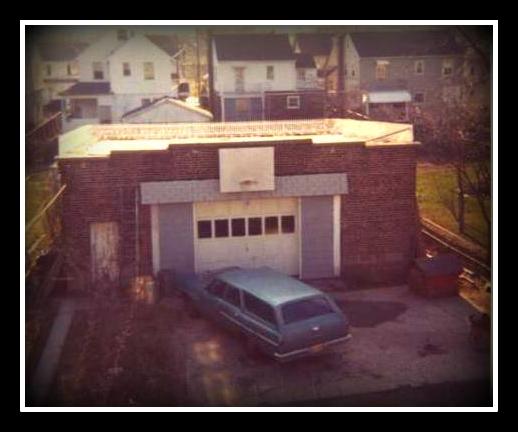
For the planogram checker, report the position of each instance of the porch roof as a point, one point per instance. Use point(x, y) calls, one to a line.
point(389, 96)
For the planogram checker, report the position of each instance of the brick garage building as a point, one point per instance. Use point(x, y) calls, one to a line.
point(319, 198)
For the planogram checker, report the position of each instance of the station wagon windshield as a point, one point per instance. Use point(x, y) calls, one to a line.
point(305, 309)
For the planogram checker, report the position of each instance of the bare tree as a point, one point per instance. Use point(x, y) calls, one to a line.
point(460, 136)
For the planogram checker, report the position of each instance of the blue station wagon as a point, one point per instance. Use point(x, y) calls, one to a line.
point(283, 317)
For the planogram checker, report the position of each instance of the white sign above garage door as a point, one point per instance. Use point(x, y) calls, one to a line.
point(246, 169)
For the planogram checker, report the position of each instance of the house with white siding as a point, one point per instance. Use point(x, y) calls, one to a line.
point(167, 110)
point(122, 71)
point(255, 78)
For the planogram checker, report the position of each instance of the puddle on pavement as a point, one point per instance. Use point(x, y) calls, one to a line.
point(371, 313)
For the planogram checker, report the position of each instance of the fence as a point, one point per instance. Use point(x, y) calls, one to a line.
point(41, 143)
point(43, 234)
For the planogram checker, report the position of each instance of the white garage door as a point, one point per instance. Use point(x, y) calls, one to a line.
point(247, 234)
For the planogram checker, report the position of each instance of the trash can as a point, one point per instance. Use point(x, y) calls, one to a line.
point(436, 276)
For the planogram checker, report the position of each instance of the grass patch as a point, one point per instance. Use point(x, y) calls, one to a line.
point(434, 182)
point(116, 355)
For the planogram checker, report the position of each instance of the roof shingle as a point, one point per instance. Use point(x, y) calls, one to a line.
point(253, 47)
point(88, 88)
point(169, 44)
point(405, 43)
point(60, 51)
point(304, 61)
point(315, 43)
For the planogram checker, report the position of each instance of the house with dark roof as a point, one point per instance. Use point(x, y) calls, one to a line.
point(322, 47)
point(120, 72)
point(389, 74)
point(55, 69)
point(255, 78)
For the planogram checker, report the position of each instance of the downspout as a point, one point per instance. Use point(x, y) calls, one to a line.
point(137, 233)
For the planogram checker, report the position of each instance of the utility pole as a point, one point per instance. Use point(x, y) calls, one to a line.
point(340, 81)
point(198, 83)
point(210, 65)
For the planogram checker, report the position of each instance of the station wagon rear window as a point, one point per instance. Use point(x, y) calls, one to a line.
point(305, 309)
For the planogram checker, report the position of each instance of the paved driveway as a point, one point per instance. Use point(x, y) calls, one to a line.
point(399, 339)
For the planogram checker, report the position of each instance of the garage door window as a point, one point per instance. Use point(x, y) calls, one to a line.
point(255, 226)
point(288, 224)
point(204, 229)
point(221, 227)
point(271, 225)
point(238, 227)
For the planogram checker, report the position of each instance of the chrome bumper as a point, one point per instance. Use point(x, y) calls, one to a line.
point(307, 351)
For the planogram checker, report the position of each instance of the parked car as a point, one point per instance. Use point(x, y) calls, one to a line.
point(281, 316)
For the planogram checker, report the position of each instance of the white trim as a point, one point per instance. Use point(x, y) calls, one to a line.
point(299, 232)
point(293, 97)
point(155, 238)
point(336, 234)
point(195, 235)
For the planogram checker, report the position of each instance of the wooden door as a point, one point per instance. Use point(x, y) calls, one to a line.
point(104, 245)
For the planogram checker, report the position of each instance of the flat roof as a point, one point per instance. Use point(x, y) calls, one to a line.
point(271, 286)
point(101, 140)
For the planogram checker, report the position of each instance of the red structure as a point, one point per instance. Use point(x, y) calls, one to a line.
point(436, 277)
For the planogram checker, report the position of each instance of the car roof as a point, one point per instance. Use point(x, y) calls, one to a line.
point(269, 285)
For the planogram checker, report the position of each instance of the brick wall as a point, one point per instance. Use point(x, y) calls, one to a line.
point(378, 214)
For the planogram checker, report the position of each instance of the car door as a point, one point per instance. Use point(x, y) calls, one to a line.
point(229, 307)
point(212, 300)
point(260, 321)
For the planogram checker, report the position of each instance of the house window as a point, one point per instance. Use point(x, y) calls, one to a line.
point(204, 229)
point(301, 74)
point(238, 227)
point(242, 105)
point(419, 97)
point(255, 226)
point(122, 35)
point(69, 69)
point(269, 72)
point(271, 225)
point(48, 70)
point(419, 67)
point(381, 70)
point(239, 77)
point(98, 71)
point(126, 71)
point(149, 71)
point(293, 102)
point(146, 102)
point(221, 227)
point(288, 224)
point(447, 67)
point(353, 72)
